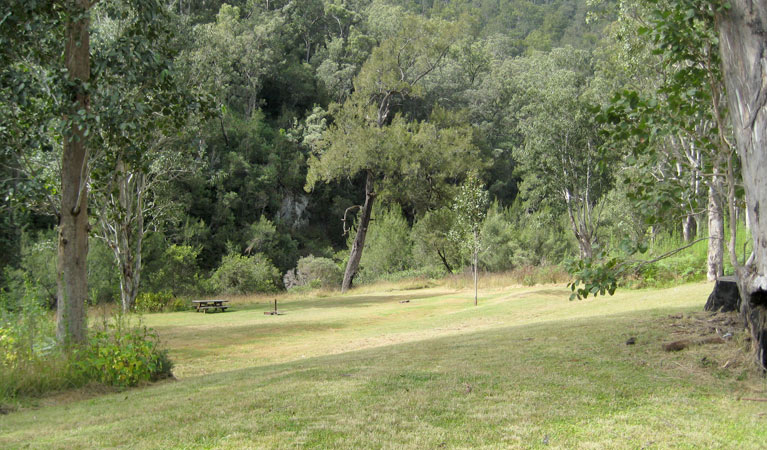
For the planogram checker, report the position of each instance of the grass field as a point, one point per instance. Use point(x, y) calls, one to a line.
point(424, 368)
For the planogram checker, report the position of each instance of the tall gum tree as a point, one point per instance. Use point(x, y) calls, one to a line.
point(560, 156)
point(742, 26)
point(141, 104)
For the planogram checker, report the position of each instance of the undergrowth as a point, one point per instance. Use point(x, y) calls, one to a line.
point(119, 352)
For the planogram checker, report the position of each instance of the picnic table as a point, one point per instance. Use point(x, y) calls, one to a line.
point(205, 305)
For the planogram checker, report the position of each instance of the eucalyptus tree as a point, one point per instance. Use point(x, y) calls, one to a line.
point(739, 27)
point(232, 56)
point(370, 138)
point(90, 115)
point(560, 156)
point(141, 105)
point(744, 64)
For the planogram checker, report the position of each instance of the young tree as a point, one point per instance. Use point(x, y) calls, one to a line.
point(471, 208)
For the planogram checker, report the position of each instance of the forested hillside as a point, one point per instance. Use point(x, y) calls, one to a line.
point(253, 146)
point(253, 95)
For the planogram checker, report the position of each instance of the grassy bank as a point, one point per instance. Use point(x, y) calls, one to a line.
point(525, 369)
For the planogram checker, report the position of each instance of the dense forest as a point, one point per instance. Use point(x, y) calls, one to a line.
point(253, 146)
point(226, 150)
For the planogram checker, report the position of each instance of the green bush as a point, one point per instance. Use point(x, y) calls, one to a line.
point(431, 241)
point(122, 355)
point(26, 329)
point(163, 301)
point(175, 270)
point(103, 275)
point(37, 270)
point(314, 272)
point(388, 247)
point(32, 364)
point(239, 274)
point(500, 244)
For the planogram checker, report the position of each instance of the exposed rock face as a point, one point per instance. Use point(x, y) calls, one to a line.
point(725, 296)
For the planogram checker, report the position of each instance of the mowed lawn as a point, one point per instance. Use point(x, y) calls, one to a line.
point(426, 369)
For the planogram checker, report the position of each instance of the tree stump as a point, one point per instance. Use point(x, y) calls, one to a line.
point(725, 296)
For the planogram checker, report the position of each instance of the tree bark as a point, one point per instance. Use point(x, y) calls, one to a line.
point(130, 232)
point(475, 261)
point(443, 257)
point(689, 228)
point(72, 276)
point(359, 240)
point(585, 247)
point(743, 45)
point(716, 237)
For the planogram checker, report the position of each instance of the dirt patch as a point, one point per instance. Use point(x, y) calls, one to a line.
point(721, 334)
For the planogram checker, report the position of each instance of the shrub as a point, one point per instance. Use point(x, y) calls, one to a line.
point(431, 242)
point(176, 271)
point(388, 247)
point(37, 269)
point(26, 329)
point(239, 274)
point(103, 274)
point(150, 302)
point(122, 355)
point(31, 363)
point(500, 244)
point(314, 272)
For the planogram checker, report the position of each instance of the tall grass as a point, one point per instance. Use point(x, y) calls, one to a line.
point(519, 276)
point(689, 264)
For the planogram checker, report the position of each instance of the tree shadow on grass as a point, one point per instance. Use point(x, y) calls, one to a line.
point(364, 300)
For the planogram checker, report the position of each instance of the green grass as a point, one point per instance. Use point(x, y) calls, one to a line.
point(524, 369)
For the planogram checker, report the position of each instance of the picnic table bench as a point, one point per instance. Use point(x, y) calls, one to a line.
point(205, 305)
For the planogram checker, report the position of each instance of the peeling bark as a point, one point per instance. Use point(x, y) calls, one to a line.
point(715, 258)
point(743, 45)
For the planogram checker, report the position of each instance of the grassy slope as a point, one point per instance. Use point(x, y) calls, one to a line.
point(525, 369)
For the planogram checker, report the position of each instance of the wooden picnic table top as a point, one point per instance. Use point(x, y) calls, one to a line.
point(209, 301)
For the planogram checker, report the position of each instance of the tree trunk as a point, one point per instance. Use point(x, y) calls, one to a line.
point(689, 228)
point(716, 237)
point(476, 265)
point(72, 276)
point(585, 247)
point(443, 257)
point(131, 232)
point(743, 44)
point(359, 240)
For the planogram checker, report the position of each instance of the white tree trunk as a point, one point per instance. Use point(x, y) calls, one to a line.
point(743, 45)
point(122, 227)
point(716, 237)
point(476, 265)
